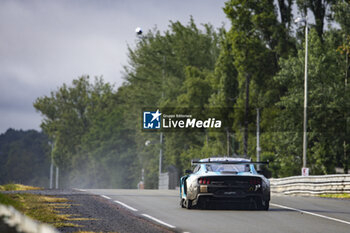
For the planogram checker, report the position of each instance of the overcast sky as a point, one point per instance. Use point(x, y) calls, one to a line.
point(44, 44)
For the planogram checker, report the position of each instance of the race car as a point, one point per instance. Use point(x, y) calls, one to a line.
point(225, 181)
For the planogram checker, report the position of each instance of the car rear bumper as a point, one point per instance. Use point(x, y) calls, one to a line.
point(230, 197)
point(215, 194)
point(228, 201)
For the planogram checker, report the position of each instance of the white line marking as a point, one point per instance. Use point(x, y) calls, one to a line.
point(106, 197)
point(314, 214)
point(158, 221)
point(82, 190)
point(126, 206)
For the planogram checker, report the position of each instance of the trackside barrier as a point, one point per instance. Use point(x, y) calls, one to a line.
point(169, 180)
point(163, 181)
point(311, 185)
point(13, 221)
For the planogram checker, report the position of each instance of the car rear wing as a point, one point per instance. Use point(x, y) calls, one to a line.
point(197, 161)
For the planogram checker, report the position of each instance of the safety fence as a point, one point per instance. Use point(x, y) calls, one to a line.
point(170, 179)
point(13, 221)
point(311, 185)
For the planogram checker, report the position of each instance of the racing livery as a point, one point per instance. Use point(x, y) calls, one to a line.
point(224, 180)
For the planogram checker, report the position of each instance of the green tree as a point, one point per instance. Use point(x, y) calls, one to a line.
point(342, 16)
point(87, 127)
point(24, 158)
point(325, 104)
point(319, 9)
point(169, 70)
point(285, 10)
point(257, 43)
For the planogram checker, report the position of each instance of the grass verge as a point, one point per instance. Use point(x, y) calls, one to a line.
point(42, 208)
point(341, 195)
point(17, 187)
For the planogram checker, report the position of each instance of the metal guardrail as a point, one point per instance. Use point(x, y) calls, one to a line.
point(19, 222)
point(311, 185)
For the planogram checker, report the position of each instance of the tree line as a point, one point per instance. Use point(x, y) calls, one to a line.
point(257, 63)
point(24, 158)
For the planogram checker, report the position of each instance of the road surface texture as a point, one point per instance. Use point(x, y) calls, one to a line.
point(286, 214)
point(97, 214)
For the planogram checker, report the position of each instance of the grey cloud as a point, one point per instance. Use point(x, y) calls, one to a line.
point(44, 44)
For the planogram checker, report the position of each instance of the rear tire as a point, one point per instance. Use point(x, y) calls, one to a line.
point(182, 203)
point(264, 205)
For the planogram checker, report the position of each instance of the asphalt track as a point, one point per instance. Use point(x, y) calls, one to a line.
point(286, 214)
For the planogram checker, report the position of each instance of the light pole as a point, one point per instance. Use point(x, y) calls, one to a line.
point(258, 149)
point(161, 133)
point(51, 166)
point(304, 169)
point(57, 175)
point(160, 153)
point(139, 32)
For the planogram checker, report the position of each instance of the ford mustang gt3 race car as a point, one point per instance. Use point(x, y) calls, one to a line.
point(224, 180)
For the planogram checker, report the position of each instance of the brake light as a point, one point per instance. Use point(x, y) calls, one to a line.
point(204, 181)
point(254, 181)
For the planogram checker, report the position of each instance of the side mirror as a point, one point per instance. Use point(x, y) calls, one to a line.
point(188, 171)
